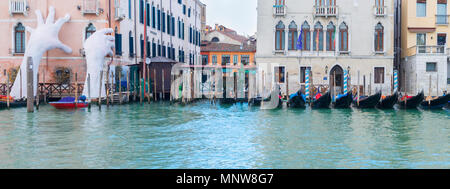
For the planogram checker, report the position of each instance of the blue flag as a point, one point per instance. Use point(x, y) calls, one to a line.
point(299, 41)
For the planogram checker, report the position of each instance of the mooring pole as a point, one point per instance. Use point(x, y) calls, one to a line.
point(148, 84)
point(154, 83)
point(128, 86)
point(140, 88)
point(45, 93)
point(89, 90)
point(120, 88)
point(111, 88)
point(76, 90)
point(20, 74)
point(135, 86)
point(7, 90)
point(162, 85)
point(37, 93)
point(287, 85)
point(100, 91)
point(30, 90)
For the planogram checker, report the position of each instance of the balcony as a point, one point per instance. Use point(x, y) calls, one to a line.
point(326, 11)
point(380, 11)
point(428, 50)
point(442, 19)
point(18, 7)
point(279, 10)
point(90, 7)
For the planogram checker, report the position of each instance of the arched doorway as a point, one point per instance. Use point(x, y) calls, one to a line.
point(337, 80)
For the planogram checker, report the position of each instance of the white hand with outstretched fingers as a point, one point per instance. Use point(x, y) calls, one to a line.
point(42, 39)
point(97, 47)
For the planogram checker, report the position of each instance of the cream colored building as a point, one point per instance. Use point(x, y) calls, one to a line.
point(336, 35)
point(425, 30)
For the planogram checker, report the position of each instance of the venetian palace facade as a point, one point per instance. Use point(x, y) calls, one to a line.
point(87, 16)
point(173, 31)
point(335, 36)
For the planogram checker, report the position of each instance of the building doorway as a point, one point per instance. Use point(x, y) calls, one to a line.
point(337, 80)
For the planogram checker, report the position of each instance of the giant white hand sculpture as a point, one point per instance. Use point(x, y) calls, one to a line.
point(42, 39)
point(97, 46)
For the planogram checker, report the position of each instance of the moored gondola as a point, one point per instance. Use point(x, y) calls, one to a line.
point(438, 103)
point(368, 102)
point(411, 102)
point(297, 100)
point(323, 102)
point(388, 102)
point(343, 101)
point(13, 104)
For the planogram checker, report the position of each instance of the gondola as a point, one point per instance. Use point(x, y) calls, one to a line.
point(368, 102)
point(297, 100)
point(323, 102)
point(343, 101)
point(438, 103)
point(388, 102)
point(411, 102)
point(13, 104)
point(227, 100)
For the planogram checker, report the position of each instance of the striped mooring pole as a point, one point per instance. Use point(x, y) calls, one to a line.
point(345, 81)
point(307, 83)
point(395, 81)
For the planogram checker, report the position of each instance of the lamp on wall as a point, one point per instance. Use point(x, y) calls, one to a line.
point(326, 69)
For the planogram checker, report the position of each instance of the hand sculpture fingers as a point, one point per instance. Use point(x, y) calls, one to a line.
point(40, 20)
point(29, 29)
point(51, 15)
point(63, 47)
point(110, 38)
point(106, 31)
point(60, 22)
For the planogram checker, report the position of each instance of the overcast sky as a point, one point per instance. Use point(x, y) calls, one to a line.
point(239, 15)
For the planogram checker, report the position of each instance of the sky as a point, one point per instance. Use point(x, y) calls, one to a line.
point(239, 15)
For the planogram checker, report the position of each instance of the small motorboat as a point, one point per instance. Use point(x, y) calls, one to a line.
point(437, 103)
point(343, 101)
point(297, 100)
point(368, 102)
point(322, 101)
point(388, 102)
point(69, 103)
point(411, 102)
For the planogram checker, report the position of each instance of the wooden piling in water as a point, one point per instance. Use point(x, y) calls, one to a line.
point(100, 91)
point(30, 87)
point(148, 84)
point(128, 86)
point(135, 86)
point(140, 88)
point(7, 90)
point(287, 85)
point(20, 74)
point(112, 89)
point(37, 93)
point(45, 92)
point(107, 87)
point(76, 90)
point(163, 93)
point(89, 90)
point(154, 84)
point(120, 87)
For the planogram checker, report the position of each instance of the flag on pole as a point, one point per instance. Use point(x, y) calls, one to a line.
point(299, 41)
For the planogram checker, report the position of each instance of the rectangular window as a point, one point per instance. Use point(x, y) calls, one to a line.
point(421, 42)
point(441, 16)
point(118, 40)
point(147, 15)
point(153, 17)
point(163, 22)
point(205, 59)
point(431, 66)
point(153, 49)
point(303, 73)
point(214, 59)
point(379, 75)
point(279, 73)
point(235, 59)
point(141, 11)
point(245, 59)
point(159, 19)
point(421, 8)
point(225, 60)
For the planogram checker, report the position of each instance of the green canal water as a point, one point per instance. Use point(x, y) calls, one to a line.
point(202, 135)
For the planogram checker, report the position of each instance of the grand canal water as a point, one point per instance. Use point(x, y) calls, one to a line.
point(201, 135)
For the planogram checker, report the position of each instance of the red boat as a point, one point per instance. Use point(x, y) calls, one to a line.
point(69, 103)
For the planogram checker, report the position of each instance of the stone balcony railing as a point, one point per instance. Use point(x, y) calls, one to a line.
point(279, 10)
point(326, 11)
point(380, 11)
point(428, 50)
point(18, 7)
point(90, 7)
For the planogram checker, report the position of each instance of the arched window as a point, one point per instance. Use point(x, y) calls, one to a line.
point(379, 37)
point(215, 39)
point(292, 36)
point(306, 36)
point(318, 37)
point(89, 30)
point(279, 36)
point(19, 36)
point(141, 11)
point(131, 43)
point(343, 37)
point(331, 41)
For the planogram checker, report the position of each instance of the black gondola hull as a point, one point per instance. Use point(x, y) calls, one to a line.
point(322, 102)
point(389, 102)
point(369, 102)
point(344, 102)
point(13, 104)
point(411, 103)
point(297, 101)
point(439, 103)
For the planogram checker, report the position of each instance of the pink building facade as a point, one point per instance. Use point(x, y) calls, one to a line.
point(87, 16)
